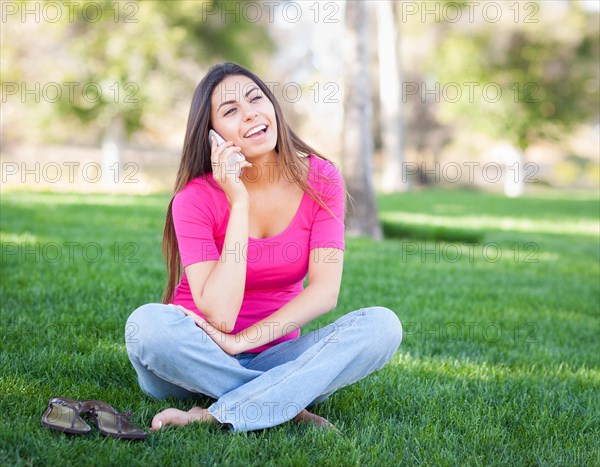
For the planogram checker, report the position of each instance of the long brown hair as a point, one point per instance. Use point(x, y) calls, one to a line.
point(195, 158)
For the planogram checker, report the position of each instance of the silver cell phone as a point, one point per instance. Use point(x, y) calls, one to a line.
point(235, 157)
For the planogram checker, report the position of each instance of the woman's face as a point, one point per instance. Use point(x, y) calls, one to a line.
point(242, 114)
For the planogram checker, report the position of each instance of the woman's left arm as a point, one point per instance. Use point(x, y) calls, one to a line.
point(319, 297)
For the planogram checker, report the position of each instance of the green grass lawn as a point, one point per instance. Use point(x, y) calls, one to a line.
point(499, 299)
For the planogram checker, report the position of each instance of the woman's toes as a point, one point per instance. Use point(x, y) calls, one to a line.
point(179, 417)
point(168, 417)
point(309, 417)
point(156, 425)
point(199, 414)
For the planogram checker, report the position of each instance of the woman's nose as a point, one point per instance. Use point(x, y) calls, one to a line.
point(250, 114)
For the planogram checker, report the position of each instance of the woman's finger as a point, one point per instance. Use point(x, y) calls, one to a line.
point(217, 151)
point(220, 157)
point(230, 151)
point(185, 310)
point(197, 319)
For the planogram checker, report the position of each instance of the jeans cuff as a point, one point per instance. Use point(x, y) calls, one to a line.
point(217, 411)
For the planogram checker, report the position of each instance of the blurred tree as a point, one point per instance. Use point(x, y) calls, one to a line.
point(131, 60)
point(357, 144)
point(532, 80)
point(390, 100)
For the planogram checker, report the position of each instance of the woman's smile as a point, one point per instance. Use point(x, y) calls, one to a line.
point(258, 133)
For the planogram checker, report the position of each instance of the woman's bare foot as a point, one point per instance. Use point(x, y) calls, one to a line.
point(307, 417)
point(179, 417)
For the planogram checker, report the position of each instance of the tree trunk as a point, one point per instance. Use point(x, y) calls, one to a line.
point(394, 176)
point(113, 143)
point(510, 159)
point(357, 144)
point(514, 175)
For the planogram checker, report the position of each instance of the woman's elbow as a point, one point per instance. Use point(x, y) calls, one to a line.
point(326, 295)
point(332, 299)
point(214, 317)
point(220, 321)
point(223, 326)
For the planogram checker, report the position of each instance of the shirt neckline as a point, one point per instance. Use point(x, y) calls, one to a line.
point(293, 221)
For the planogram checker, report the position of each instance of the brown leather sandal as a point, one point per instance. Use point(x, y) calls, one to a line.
point(63, 415)
point(110, 422)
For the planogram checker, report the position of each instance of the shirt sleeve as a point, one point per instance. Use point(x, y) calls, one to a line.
point(327, 230)
point(194, 226)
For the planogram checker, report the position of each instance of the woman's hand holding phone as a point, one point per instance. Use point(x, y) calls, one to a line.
point(227, 164)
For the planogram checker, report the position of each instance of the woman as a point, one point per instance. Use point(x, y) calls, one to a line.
point(246, 236)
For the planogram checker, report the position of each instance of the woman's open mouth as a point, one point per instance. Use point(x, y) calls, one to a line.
point(257, 132)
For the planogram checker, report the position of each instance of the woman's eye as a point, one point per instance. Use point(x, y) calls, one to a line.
point(229, 111)
point(255, 98)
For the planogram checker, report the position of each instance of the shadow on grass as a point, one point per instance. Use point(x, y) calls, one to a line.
point(400, 230)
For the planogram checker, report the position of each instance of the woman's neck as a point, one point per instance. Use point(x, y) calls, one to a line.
point(266, 170)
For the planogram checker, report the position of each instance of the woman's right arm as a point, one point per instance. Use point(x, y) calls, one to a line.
point(218, 286)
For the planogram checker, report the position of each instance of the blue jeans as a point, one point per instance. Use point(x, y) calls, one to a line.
point(175, 358)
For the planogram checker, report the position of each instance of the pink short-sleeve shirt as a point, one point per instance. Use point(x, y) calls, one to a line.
point(276, 266)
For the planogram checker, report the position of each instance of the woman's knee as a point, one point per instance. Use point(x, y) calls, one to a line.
point(385, 327)
point(146, 323)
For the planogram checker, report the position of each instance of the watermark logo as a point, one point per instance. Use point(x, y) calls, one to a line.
point(69, 172)
point(71, 92)
point(269, 251)
point(253, 12)
point(471, 91)
point(470, 171)
point(69, 252)
point(472, 331)
point(491, 252)
point(70, 11)
point(290, 91)
point(454, 12)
